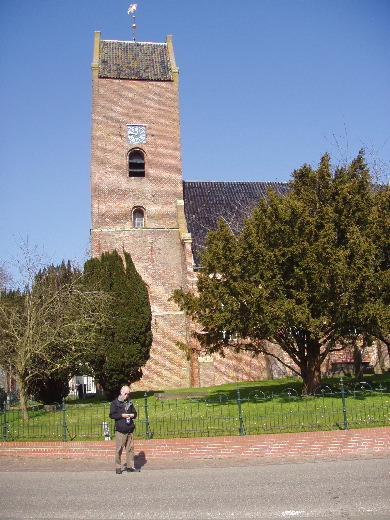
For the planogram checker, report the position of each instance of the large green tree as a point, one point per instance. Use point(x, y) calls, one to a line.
point(48, 328)
point(376, 311)
point(126, 343)
point(303, 273)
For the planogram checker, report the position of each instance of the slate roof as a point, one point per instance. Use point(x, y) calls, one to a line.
point(134, 60)
point(205, 202)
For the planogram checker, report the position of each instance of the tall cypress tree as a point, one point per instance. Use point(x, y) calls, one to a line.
point(126, 342)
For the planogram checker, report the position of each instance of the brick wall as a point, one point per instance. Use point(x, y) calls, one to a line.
point(370, 441)
point(115, 104)
point(156, 249)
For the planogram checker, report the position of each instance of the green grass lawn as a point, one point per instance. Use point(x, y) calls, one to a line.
point(274, 406)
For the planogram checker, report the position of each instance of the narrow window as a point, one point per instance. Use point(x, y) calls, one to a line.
point(136, 164)
point(138, 218)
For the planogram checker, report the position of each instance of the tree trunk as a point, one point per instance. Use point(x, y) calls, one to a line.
point(311, 367)
point(311, 382)
point(357, 362)
point(22, 398)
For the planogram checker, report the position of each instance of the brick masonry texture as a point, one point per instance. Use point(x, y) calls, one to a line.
point(114, 193)
point(156, 249)
point(363, 442)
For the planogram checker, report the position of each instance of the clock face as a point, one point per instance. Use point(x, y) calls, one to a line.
point(136, 133)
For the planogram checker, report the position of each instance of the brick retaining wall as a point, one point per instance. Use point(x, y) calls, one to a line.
point(333, 443)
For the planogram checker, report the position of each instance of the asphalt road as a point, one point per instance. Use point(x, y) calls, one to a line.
point(355, 489)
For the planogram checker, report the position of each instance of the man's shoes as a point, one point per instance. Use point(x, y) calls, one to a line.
point(131, 470)
point(118, 471)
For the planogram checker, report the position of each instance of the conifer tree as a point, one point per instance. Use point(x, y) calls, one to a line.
point(126, 342)
point(376, 312)
point(304, 273)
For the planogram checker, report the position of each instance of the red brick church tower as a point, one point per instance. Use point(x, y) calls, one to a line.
point(136, 184)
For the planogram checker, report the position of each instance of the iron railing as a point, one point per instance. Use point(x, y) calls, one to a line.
point(244, 413)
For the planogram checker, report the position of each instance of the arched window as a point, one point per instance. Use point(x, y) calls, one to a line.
point(136, 163)
point(138, 218)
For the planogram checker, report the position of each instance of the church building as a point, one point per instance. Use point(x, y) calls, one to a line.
point(141, 204)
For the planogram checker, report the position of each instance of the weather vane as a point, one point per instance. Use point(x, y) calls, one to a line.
point(131, 10)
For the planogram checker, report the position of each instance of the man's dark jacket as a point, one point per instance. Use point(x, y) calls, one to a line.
point(117, 408)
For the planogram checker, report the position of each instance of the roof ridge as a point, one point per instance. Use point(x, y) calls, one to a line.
point(132, 42)
point(242, 182)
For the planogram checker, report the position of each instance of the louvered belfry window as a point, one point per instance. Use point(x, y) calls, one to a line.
point(136, 164)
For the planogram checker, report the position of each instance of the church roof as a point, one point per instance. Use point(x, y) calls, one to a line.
point(205, 202)
point(134, 60)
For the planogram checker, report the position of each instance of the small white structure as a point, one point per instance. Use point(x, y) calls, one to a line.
point(81, 386)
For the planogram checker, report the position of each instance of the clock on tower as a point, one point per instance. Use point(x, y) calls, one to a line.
point(136, 134)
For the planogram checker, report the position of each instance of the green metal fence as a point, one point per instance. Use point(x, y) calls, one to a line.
point(249, 411)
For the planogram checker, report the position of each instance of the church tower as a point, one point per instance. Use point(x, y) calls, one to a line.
point(136, 185)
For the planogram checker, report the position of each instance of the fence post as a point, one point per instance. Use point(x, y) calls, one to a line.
point(63, 420)
point(5, 421)
point(146, 417)
point(344, 404)
point(240, 411)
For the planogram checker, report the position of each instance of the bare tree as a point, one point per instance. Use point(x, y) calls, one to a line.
point(5, 278)
point(49, 325)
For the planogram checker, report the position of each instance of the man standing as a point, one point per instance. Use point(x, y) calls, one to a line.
point(123, 412)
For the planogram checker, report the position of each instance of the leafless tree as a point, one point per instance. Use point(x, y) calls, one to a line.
point(50, 324)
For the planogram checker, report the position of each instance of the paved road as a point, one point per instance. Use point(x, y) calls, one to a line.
point(354, 489)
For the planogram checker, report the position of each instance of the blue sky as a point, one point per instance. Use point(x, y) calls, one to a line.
point(265, 86)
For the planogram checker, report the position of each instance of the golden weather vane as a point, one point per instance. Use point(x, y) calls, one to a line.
point(131, 10)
